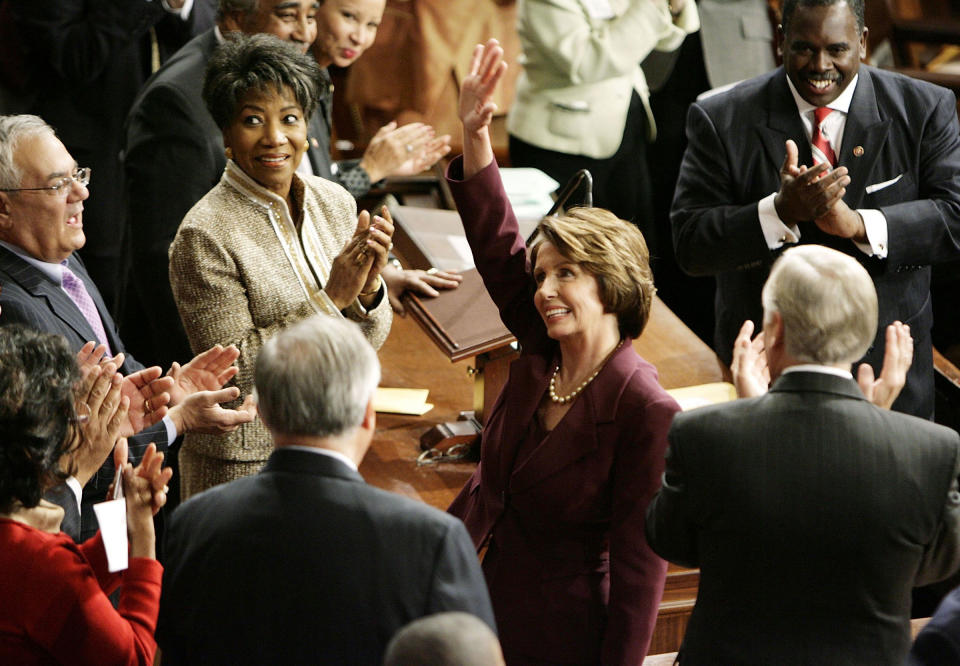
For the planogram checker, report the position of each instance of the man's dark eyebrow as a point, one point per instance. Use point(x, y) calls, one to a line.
point(286, 5)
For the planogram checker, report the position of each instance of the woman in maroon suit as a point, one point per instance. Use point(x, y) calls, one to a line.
point(54, 605)
point(573, 448)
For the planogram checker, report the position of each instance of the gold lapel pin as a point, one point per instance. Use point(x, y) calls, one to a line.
point(858, 151)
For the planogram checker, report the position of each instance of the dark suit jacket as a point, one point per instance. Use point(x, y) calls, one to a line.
point(811, 514)
point(571, 577)
point(938, 643)
point(90, 59)
point(174, 155)
point(735, 151)
point(304, 563)
point(30, 298)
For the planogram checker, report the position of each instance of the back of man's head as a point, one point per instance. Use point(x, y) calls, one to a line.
point(445, 639)
point(827, 302)
point(12, 130)
point(316, 378)
point(790, 8)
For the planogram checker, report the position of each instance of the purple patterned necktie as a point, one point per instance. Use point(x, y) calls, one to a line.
point(79, 295)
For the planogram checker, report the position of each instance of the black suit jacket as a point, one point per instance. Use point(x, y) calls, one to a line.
point(173, 155)
point(90, 58)
point(30, 298)
point(811, 514)
point(304, 563)
point(906, 128)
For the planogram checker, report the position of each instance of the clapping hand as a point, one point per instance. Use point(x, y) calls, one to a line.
point(208, 371)
point(751, 376)
point(897, 359)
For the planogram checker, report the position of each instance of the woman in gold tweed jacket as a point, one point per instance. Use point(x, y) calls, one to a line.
point(267, 247)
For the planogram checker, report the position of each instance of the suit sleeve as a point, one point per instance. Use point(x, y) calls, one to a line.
point(584, 50)
point(499, 250)
point(80, 625)
point(353, 177)
point(927, 231)
point(457, 584)
point(78, 39)
point(637, 574)
point(669, 529)
point(941, 557)
point(710, 235)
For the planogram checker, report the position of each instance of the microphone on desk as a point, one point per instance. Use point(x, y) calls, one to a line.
point(582, 176)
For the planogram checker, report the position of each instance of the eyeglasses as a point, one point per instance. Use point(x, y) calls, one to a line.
point(62, 186)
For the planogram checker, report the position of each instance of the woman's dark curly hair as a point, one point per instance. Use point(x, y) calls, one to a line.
point(38, 418)
point(261, 63)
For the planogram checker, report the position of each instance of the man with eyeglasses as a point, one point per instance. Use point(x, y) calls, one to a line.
point(47, 287)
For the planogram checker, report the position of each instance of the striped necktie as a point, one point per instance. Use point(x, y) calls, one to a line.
point(78, 293)
point(822, 151)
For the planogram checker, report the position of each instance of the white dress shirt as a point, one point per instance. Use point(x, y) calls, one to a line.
point(775, 231)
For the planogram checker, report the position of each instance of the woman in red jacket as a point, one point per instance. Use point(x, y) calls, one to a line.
point(53, 592)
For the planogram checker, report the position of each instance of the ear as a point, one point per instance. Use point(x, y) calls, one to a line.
point(863, 43)
point(369, 417)
point(6, 219)
point(773, 331)
point(233, 22)
point(780, 39)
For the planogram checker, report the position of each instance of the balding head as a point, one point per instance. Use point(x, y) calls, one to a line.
point(445, 639)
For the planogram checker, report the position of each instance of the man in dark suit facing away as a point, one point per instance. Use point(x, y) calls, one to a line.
point(811, 512)
point(304, 563)
point(825, 151)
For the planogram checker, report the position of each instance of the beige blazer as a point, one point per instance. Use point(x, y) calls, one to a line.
point(580, 70)
point(236, 282)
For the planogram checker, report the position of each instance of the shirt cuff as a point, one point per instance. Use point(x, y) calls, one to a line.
point(875, 223)
point(171, 429)
point(77, 491)
point(775, 232)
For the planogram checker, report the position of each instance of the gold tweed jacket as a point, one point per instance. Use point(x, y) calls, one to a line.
point(240, 274)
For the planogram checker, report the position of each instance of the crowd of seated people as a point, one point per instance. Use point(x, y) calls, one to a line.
point(812, 505)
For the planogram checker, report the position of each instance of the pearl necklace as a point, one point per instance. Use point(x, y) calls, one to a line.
point(563, 399)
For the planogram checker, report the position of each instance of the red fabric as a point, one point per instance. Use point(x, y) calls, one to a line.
point(818, 140)
point(54, 607)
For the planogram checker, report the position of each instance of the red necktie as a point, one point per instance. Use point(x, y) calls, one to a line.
point(822, 151)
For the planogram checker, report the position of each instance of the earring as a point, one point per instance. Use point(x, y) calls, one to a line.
point(229, 153)
point(306, 145)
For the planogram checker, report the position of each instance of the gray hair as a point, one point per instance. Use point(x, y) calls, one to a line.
point(316, 378)
point(12, 130)
point(261, 62)
point(827, 302)
point(444, 639)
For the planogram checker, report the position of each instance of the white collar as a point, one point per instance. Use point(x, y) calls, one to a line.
point(822, 369)
point(53, 271)
point(324, 452)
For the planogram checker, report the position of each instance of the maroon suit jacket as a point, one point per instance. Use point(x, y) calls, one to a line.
point(571, 576)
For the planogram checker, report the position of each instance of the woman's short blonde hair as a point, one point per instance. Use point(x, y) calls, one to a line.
point(614, 252)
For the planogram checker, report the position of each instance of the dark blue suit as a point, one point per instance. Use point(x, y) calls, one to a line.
point(30, 298)
point(905, 127)
point(811, 514)
point(304, 563)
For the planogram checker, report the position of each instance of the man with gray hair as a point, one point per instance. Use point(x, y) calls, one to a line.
point(304, 562)
point(810, 511)
point(445, 639)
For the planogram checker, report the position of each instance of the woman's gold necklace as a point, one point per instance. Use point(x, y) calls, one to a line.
point(564, 399)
